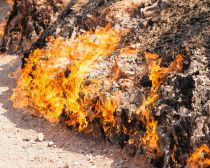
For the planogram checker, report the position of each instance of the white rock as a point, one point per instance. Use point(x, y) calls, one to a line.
point(40, 137)
point(50, 144)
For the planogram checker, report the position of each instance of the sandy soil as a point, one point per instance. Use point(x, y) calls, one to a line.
point(19, 130)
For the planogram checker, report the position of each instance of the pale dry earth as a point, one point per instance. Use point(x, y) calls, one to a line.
point(19, 130)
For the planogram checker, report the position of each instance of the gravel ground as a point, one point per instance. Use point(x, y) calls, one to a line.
point(30, 141)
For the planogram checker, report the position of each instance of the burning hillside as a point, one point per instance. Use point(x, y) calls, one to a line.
point(122, 68)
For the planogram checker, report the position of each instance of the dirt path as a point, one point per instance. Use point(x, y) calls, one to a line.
point(19, 130)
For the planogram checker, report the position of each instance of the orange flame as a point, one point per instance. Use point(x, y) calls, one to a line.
point(156, 75)
point(197, 159)
point(52, 80)
point(129, 51)
point(53, 83)
point(173, 153)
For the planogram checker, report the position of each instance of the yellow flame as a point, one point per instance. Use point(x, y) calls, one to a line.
point(52, 80)
point(156, 75)
point(197, 159)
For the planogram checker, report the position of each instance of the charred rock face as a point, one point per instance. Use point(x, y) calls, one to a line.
point(173, 98)
point(27, 21)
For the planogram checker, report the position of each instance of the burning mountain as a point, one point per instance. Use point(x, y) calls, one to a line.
point(52, 80)
point(95, 66)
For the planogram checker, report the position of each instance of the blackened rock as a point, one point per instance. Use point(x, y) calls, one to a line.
point(184, 83)
point(145, 81)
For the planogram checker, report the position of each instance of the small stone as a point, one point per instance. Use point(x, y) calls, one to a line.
point(32, 141)
point(58, 30)
point(26, 139)
point(151, 11)
point(50, 144)
point(24, 147)
point(40, 137)
point(66, 165)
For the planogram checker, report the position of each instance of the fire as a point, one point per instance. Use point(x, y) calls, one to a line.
point(51, 82)
point(198, 159)
point(129, 51)
point(156, 75)
point(173, 153)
